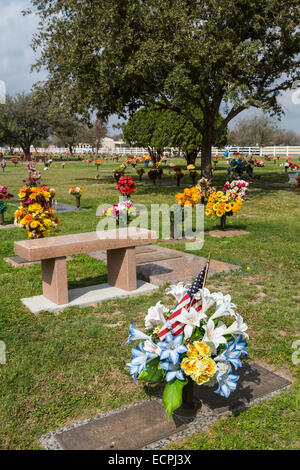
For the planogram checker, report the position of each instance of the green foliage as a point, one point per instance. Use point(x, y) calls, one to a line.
point(115, 56)
point(24, 120)
point(156, 128)
point(153, 374)
point(172, 396)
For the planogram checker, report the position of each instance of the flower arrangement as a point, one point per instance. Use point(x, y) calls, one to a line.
point(77, 193)
point(153, 175)
point(4, 196)
point(126, 185)
point(223, 204)
point(178, 174)
point(189, 344)
point(3, 164)
point(98, 163)
point(259, 163)
point(120, 171)
point(15, 161)
point(34, 176)
point(140, 172)
point(206, 189)
point(124, 209)
point(237, 188)
point(189, 198)
point(35, 214)
point(293, 166)
point(193, 173)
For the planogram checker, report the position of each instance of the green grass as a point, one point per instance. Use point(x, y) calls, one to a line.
point(67, 367)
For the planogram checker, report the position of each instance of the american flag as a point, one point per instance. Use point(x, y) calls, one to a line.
point(188, 301)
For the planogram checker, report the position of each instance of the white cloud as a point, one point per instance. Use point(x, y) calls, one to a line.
point(16, 55)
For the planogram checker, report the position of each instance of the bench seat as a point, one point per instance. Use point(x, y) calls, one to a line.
point(121, 257)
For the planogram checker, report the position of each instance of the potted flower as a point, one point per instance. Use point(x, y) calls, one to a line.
point(4, 195)
point(77, 193)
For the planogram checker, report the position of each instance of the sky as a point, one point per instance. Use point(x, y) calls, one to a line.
point(16, 58)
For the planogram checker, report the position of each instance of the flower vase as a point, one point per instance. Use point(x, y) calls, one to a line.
point(188, 407)
point(223, 222)
point(292, 175)
point(203, 200)
point(178, 181)
point(140, 177)
point(146, 163)
point(1, 217)
point(77, 203)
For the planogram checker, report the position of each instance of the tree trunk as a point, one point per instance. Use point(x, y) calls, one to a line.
point(27, 153)
point(207, 142)
point(191, 157)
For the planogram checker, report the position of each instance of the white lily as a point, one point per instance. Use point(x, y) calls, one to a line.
point(214, 336)
point(190, 318)
point(151, 347)
point(208, 299)
point(238, 327)
point(224, 307)
point(178, 291)
point(155, 316)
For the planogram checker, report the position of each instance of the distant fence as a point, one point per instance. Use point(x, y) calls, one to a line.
point(282, 151)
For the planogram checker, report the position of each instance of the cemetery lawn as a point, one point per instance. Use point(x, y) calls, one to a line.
point(68, 367)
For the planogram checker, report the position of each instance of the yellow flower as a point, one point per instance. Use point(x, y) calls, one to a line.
point(199, 349)
point(189, 365)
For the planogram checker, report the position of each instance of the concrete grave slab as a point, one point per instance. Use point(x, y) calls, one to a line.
point(144, 425)
point(85, 296)
point(166, 265)
point(228, 232)
point(8, 226)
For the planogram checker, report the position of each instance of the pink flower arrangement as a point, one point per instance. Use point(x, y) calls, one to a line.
point(237, 188)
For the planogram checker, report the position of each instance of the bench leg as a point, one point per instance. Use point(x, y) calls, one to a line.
point(55, 281)
point(121, 265)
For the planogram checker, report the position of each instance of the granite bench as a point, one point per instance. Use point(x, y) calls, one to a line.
point(52, 252)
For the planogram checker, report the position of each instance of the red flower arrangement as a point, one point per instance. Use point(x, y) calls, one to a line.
point(126, 185)
point(293, 166)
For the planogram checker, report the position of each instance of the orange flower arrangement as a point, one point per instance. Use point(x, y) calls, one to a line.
point(189, 198)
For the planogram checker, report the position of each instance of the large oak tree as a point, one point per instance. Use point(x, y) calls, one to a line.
point(115, 56)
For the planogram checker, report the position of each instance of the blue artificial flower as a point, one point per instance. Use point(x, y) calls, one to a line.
point(171, 347)
point(136, 334)
point(227, 383)
point(241, 344)
point(133, 370)
point(173, 371)
point(233, 351)
point(139, 361)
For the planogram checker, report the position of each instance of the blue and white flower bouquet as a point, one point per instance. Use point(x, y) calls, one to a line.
point(189, 341)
